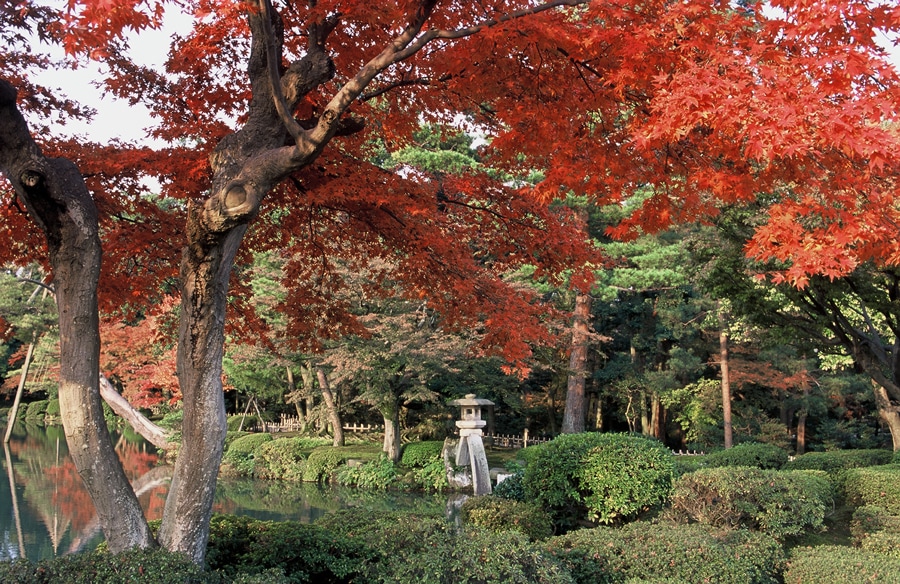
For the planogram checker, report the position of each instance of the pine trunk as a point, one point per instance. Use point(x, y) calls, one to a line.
point(726, 382)
point(574, 414)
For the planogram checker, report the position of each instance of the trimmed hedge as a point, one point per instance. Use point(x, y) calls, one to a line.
point(874, 485)
point(298, 552)
point(425, 549)
point(841, 565)
point(419, 454)
point(512, 487)
point(645, 552)
point(323, 462)
point(837, 462)
point(754, 454)
point(502, 514)
point(606, 478)
point(280, 459)
point(241, 453)
point(780, 503)
point(133, 566)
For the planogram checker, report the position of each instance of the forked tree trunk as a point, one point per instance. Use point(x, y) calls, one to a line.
point(573, 416)
point(58, 200)
point(333, 414)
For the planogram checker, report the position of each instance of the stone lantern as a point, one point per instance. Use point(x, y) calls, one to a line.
point(471, 447)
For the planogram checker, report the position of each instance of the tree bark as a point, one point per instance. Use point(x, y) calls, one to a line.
point(888, 414)
point(391, 445)
point(333, 414)
point(726, 382)
point(147, 429)
point(574, 413)
point(56, 197)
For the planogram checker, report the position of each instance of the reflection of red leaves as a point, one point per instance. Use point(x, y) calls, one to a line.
point(69, 496)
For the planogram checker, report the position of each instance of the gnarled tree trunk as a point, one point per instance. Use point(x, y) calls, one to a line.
point(333, 414)
point(58, 200)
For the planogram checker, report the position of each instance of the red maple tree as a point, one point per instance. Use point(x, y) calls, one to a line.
point(271, 118)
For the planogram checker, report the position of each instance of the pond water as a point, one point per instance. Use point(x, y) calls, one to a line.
point(46, 512)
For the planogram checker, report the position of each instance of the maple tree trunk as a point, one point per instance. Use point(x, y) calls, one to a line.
point(56, 197)
point(205, 270)
point(888, 414)
point(574, 413)
point(333, 414)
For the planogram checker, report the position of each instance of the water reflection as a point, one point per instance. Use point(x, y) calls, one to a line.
point(46, 512)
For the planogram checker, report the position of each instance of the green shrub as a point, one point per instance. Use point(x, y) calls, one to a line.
point(840, 565)
point(299, 552)
point(245, 423)
point(512, 487)
point(53, 408)
point(645, 552)
point(423, 549)
point(837, 462)
point(874, 485)
point(431, 477)
point(502, 514)
point(280, 459)
point(780, 503)
point(419, 454)
point(37, 410)
point(604, 478)
point(323, 462)
point(375, 474)
point(874, 529)
point(748, 454)
point(241, 453)
point(133, 566)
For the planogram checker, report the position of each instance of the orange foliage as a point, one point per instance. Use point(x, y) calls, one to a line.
point(706, 103)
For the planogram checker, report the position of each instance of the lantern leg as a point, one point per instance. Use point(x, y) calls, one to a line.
point(481, 474)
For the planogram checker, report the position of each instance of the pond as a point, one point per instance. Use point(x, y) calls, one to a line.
point(46, 512)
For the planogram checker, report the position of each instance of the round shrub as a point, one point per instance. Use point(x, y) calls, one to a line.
point(36, 410)
point(512, 487)
point(53, 408)
point(874, 485)
point(419, 454)
point(840, 565)
point(245, 423)
point(502, 514)
point(606, 478)
point(322, 463)
point(779, 503)
point(241, 453)
point(645, 552)
point(280, 459)
point(754, 454)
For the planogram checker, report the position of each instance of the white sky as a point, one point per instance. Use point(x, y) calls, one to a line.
point(117, 119)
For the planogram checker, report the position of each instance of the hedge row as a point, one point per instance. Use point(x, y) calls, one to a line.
point(841, 565)
point(875, 485)
point(780, 503)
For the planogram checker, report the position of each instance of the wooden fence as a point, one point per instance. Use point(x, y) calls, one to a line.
point(295, 424)
point(513, 441)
